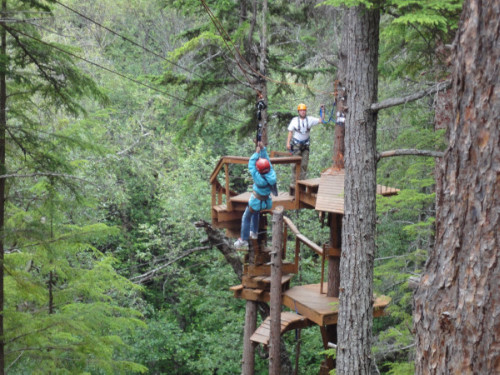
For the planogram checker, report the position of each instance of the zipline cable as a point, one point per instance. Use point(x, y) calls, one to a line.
point(122, 75)
point(138, 45)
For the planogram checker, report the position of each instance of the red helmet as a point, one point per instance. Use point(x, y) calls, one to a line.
point(263, 165)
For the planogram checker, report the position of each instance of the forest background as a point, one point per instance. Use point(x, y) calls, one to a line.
point(116, 114)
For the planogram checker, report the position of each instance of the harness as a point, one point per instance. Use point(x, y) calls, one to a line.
point(301, 145)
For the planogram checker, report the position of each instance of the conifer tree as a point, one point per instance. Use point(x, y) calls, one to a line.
point(62, 304)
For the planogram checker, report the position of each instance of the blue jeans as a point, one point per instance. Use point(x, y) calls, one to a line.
point(249, 222)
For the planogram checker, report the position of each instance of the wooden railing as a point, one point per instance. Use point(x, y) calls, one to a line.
point(300, 238)
point(219, 190)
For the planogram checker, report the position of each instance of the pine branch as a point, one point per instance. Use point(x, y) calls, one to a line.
point(411, 151)
point(35, 61)
point(406, 99)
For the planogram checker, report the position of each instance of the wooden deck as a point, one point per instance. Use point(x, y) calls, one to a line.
point(330, 197)
point(317, 307)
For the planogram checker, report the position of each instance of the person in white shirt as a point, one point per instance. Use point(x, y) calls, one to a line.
point(298, 139)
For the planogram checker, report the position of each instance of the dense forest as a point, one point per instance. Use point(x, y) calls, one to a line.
point(113, 115)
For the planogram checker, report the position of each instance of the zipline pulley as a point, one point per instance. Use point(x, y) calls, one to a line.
point(261, 105)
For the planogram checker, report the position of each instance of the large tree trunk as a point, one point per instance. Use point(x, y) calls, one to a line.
point(358, 235)
point(457, 318)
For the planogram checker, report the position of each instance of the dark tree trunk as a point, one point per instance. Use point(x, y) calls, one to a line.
point(456, 304)
point(358, 234)
point(341, 99)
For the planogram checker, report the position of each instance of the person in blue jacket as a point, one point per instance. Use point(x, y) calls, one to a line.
point(264, 178)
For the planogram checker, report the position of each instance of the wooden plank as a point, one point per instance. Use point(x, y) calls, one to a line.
point(309, 302)
point(251, 295)
point(262, 282)
point(310, 182)
point(224, 216)
point(386, 190)
point(308, 199)
point(265, 269)
point(331, 193)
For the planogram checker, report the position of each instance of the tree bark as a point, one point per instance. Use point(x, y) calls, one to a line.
point(456, 317)
point(358, 234)
point(341, 100)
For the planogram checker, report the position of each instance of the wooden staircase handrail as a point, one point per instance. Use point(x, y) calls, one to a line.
point(299, 237)
point(306, 241)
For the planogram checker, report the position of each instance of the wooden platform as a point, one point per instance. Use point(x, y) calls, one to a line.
point(289, 321)
point(322, 310)
point(330, 197)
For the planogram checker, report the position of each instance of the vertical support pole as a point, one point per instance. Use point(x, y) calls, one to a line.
point(248, 366)
point(285, 235)
point(328, 334)
point(297, 176)
point(322, 270)
point(334, 261)
point(228, 194)
point(276, 273)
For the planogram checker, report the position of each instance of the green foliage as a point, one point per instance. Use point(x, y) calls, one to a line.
point(413, 36)
point(66, 307)
point(348, 3)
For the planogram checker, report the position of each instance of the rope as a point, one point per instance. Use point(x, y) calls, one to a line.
point(331, 117)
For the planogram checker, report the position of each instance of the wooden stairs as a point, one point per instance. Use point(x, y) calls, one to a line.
point(289, 321)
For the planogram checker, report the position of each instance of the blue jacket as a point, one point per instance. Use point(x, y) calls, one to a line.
point(261, 182)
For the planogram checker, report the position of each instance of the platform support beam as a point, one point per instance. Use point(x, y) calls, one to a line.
point(335, 221)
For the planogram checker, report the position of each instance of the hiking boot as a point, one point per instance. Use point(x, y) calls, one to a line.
point(240, 243)
point(253, 235)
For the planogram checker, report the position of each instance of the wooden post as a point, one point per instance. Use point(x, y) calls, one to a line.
point(228, 194)
point(248, 366)
point(334, 261)
point(276, 272)
point(297, 177)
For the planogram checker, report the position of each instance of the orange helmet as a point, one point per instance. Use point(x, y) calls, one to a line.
point(301, 106)
point(263, 165)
